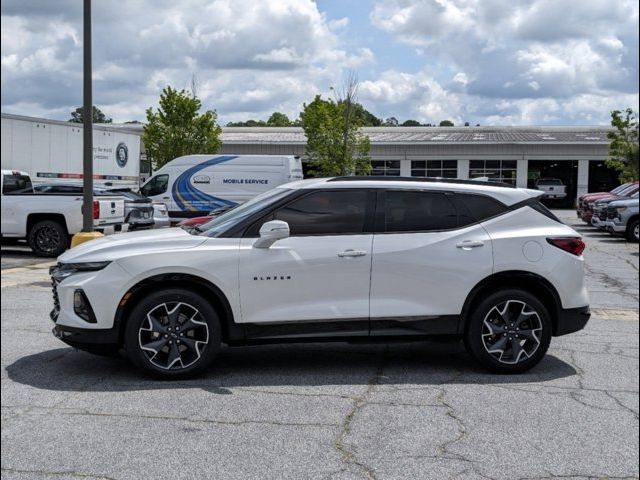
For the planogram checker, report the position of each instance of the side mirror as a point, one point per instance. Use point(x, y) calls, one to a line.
point(270, 232)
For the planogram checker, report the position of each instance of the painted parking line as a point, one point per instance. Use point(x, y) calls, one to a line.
point(615, 314)
point(26, 268)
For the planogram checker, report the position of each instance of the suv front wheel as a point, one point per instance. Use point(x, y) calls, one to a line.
point(509, 331)
point(172, 334)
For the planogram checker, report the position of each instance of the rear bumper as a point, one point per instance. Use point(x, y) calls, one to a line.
point(571, 320)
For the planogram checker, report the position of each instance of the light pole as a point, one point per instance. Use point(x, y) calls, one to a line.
point(87, 107)
point(87, 232)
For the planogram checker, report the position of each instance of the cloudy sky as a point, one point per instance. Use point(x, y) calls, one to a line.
point(502, 62)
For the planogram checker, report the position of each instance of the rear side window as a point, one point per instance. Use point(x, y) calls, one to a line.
point(334, 212)
point(15, 184)
point(539, 207)
point(476, 208)
point(415, 211)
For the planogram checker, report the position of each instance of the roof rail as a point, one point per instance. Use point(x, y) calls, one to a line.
point(421, 179)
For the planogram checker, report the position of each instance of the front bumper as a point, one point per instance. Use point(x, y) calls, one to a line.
point(103, 290)
point(571, 320)
point(597, 222)
point(81, 337)
point(614, 227)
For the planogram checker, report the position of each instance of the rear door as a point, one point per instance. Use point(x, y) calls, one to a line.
point(427, 256)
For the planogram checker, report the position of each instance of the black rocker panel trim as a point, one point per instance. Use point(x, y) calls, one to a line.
point(326, 330)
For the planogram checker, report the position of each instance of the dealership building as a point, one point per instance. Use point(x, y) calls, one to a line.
point(516, 155)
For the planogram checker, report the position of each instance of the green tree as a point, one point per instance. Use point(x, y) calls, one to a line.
point(410, 123)
point(391, 122)
point(365, 117)
point(623, 149)
point(446, 123)
point(248, 123)
point(335, 145)
point(77, 116)
point(278, 119)
point(178, 129)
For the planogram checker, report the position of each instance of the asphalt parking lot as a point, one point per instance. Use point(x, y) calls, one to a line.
point(338, 411)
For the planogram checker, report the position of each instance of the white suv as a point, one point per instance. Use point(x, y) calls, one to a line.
point(338, 259)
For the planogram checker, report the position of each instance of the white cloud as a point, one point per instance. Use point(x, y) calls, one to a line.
point(528, 53)
point(245, 54)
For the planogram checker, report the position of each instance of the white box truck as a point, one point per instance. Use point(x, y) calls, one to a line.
point(193, 185)
point(51, 151)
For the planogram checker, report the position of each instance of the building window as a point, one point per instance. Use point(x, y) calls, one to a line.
point(434, 168)
point(496, 170)
point(387, 168)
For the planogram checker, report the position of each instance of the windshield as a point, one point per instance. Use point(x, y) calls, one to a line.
point(224, 222)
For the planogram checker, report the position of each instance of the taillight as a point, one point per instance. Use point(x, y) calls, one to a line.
point(96, 209)
point(572, 245)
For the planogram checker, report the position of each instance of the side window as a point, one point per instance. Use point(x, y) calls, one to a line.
point(476, 208)
point(334, 212)
point(412, 211)
point(156, 186)
point(15, 184)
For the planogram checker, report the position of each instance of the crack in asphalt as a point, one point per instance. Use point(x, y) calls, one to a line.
point(67, 473)
point(87, 413)
point(347, 451)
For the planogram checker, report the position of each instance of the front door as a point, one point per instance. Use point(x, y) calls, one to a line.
point(321, 273)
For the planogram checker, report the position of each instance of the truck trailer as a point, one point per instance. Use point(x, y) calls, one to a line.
point(51, 151)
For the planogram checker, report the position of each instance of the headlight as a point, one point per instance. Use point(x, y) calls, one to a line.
point(620, 209)
point(64, 270)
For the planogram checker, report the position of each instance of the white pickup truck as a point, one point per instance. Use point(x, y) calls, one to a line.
point(553, 188)
point(47, 221)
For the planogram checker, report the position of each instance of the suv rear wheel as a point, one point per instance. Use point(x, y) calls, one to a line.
point(632, 233)
point(48, 238)
point(172, 334)
point(509, 331)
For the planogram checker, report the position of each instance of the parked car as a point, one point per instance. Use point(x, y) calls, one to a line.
point(193, 185)
point(599, 215)
point(138, 210)
point(587, 202)
point(48, 219)
point(341, 259)
point(196, 221)
point(622, 217)
point(553, 188)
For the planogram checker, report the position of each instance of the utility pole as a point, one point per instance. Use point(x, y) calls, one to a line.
point(87, 145)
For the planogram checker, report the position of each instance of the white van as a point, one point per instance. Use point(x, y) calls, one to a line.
point(194, 185)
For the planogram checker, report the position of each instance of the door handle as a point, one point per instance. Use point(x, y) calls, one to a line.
point(166, 198)
point(470, 244)
point(352, 253)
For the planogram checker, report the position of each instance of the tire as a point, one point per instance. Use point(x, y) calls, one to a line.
point(48, 238)
point(632, 231)
point(172, 334)
point(494, 346)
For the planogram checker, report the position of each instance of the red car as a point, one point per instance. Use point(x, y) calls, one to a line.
point(585, 202)
point(195, 221)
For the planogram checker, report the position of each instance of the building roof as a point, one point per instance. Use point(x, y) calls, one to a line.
point(431, 135)
point(593, 135)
